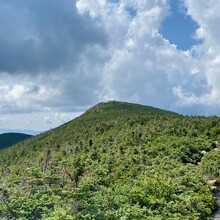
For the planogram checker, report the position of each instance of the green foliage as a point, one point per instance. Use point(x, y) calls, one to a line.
point(116, 161)
point(211, 163)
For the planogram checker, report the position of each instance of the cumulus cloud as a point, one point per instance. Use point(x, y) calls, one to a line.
point(63, 56)
point(207, 58)
point(47, 55)
point(144, 67)
point(38, 121)
point(44, 36)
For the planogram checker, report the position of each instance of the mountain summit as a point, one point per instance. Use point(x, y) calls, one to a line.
point(116, 161)
point(116, 108)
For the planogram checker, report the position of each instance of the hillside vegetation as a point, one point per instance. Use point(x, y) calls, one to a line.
point(116, 161)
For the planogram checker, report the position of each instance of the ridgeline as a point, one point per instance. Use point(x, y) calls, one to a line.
point(9, 139)
point(116, 161)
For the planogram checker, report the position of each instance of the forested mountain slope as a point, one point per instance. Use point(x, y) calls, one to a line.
point(116, 161)
point(8, 139)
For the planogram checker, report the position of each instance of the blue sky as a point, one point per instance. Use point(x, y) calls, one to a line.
point(179, 28)
point(58, 58)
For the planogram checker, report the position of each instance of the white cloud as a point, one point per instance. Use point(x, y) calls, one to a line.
point(101, 49)
point(38, 121)
point(207, 59)
point(25, 96)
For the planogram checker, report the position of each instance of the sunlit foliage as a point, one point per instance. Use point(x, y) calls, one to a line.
point(116, 161)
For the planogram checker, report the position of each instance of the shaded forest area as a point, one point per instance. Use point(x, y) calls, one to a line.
point(8, 139)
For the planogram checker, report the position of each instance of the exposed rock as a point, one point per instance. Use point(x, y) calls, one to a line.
point(212, 182)
point(214, 188)
point(216, 216)
point(216, 143)
point(204, 152)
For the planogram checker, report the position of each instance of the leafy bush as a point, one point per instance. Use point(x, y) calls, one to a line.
point(211, 163)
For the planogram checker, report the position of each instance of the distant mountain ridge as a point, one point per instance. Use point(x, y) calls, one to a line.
point(20, 131)
point(9, 139)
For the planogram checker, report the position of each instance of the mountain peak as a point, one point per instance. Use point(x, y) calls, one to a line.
point(114, 150)
point(115, 107)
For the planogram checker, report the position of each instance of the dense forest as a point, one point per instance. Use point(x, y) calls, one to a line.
point(118, 161)
point(8, 139)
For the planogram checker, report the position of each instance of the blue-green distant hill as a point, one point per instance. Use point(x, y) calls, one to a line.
point(9, 139)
